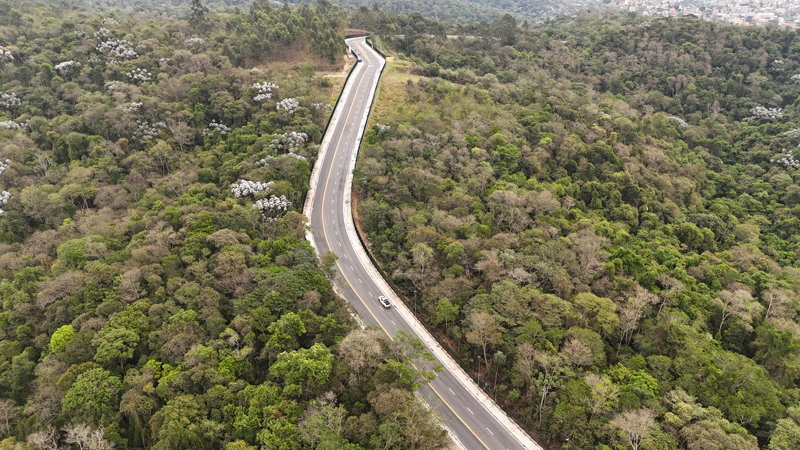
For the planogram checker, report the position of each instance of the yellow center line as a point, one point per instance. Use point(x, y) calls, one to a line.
point(325, 234)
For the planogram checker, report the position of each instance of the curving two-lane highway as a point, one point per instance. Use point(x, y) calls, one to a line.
point(468, 414)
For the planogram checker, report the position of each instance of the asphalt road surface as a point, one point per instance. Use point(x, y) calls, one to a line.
point(464, 415)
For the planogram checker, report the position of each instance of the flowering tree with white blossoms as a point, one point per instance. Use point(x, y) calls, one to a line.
point(296, 156)
point(681, 123)
point(273, 207)
point(66, 66)
point(5, 196)
point(9, 101)
point(194, 42)
point(117, 51)
point(264, 91)
point(793, 134)
point(133, 108)
point(288, 141)
point(788, 161)
point(146, 131)
point(289, 105)
point(140, 75)
point(11, 125)
point(5, 57)
point(270, 207)
point(215, 128)
point(243, 188)
point(102, 34)
point(264, 162)
point(762, 113)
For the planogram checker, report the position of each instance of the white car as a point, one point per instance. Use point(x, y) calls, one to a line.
point(385, 302)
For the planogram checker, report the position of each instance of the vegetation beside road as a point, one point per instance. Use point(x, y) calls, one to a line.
point(602, 214)
point(157, 288)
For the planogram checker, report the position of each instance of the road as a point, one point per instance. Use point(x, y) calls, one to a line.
point(329, 213)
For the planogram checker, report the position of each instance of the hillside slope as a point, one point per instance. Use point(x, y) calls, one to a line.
point(601, 219)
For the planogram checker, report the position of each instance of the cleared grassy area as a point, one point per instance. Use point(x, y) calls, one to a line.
point(392, 94)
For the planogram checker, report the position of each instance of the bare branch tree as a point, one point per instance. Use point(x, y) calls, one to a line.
point(636, 425)
point(86, 438)
point(8, 414)
point(46, 439)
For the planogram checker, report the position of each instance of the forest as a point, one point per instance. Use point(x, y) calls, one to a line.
point(157, 290)
point(465, 12)
point(601, 217)
point(598, 215)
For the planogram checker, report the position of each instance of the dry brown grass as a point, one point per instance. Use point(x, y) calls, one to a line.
point(298, 53)
point(392, 91)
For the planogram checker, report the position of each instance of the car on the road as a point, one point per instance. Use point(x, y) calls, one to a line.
point(385, 302)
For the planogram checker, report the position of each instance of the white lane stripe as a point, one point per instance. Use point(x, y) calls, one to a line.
point(451, 391)
point(490, 431)
point(470, 411)
point(351, 268)
point(393, 322)
point(359, 280)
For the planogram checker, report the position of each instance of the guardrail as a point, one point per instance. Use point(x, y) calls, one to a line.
point(347, 78)
point(371, 43)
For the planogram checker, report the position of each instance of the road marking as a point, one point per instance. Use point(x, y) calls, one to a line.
point(337, 233)
point(359, 280)
point(351, 268)
point(393, 322)
point(345, 255)
point(370, 293)
point(470, 411)
point(325, 234)
point(451, 391)
point(490, 431)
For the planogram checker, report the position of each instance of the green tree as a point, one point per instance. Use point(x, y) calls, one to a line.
point(197, 18)
point(115, 345)
point(61, 337)
point(309, 366)
point(178, 425)
point(93, 397)
point(787, 434)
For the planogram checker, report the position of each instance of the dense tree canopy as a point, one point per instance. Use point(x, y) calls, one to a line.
point(157, 288)
point(610, 205)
